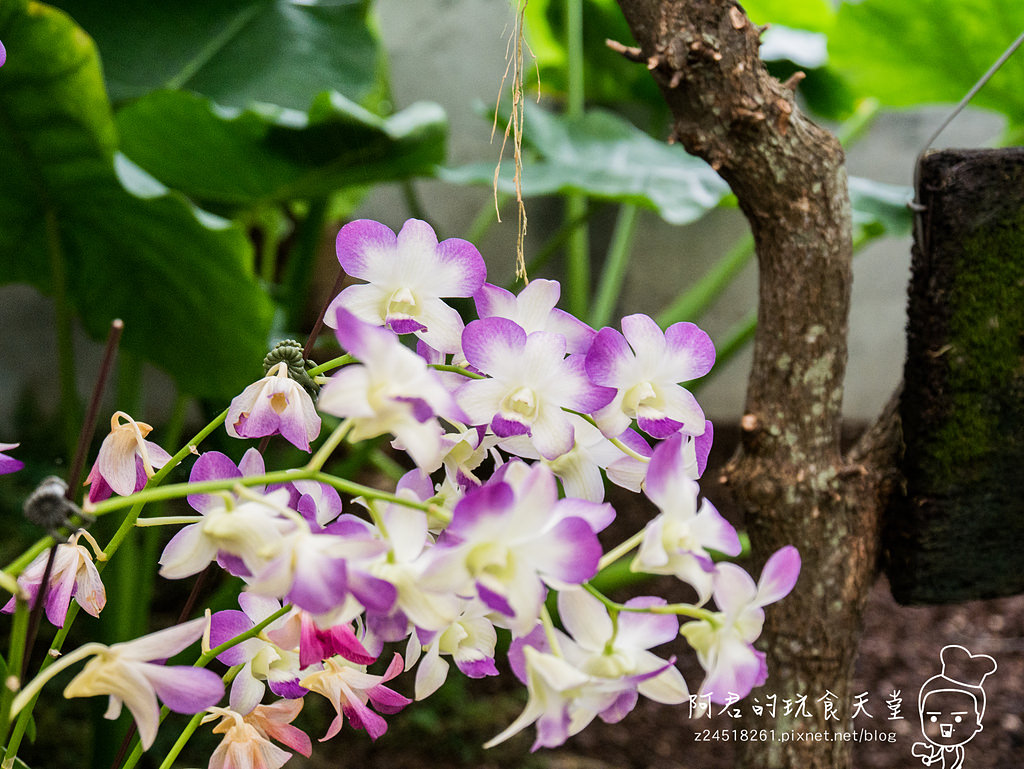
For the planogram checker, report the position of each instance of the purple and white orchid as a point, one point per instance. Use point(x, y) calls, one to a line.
point(133, 674)
point(512, 536)
point(530, 382)
point(407, 275)
point(645, 366)
point(275, 405)
point(724, 644)
point(9, 464)
point(678, 539)
point(73, 575)
point(390, 390)
point(534, 310)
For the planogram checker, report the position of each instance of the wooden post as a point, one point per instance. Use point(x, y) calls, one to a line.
point(957, 533)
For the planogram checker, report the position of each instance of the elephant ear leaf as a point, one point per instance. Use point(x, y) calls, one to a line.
point(81, 223)
point(237, 52)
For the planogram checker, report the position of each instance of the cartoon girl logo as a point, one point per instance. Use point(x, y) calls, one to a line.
point(951, 705)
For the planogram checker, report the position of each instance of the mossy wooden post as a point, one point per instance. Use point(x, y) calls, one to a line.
point(957, 534)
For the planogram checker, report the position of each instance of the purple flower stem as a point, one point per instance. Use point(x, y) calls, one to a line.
point(92, 413)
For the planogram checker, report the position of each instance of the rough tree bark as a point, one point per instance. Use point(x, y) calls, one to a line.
point(789, 474)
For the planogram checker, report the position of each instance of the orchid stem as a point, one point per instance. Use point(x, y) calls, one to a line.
point(620, 550)
point(327, 448)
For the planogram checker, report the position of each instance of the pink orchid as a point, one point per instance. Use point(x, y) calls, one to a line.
point(126, 460)
point(246, 743)
point(349, 688)
point(275, 405)
point(9, 464)
point(73, 576)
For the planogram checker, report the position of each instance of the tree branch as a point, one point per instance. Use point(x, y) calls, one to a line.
point(789, 177)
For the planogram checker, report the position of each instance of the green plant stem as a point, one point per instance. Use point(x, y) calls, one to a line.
point(70, 407)
point(858, 123)
point(15, 656)
point(412, 200)
point(178, 490)
point(126, 527)
point(578, 247)
point(179, 744)
point(691, 304)
point(21, 725)
point(678, 609)
point(457, 370)
point(620, 550)
point(331, 364)
point(614, 272)
point(487, 216)
point(319, 459)
point(302, 261)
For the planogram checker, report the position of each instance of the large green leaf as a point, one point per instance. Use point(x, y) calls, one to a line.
point(906, 52)
point(814, 15)
point(606, 157)
point(69, 224)
point(269, 154)
point(608, 77)
point(235, 51)
point(879, 208)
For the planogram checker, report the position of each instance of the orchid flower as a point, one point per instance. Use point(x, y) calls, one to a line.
point(534, 310)
point(126, 460)
point(408, 540)
point(678, 539)
point(407, 275)
point(275, 405)
point(619, 650)
point(311, 569)
point(265, 663)
point(316, 641)
point(599, 670)
point(645, 367)
point(250, 530)
point(246, 743)
point(391, 390)
point(512, 536)
point(274, 721)
point(73, 575)
point(133, 674)
point(9, 464)
point(724, 642)
point(555, 688)
point(319, 503)
point(579, 469)
point(469, 640)
point(349, 688)
point(530, 382)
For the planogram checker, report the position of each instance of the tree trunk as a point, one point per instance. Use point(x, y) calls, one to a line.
point(788, 475)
